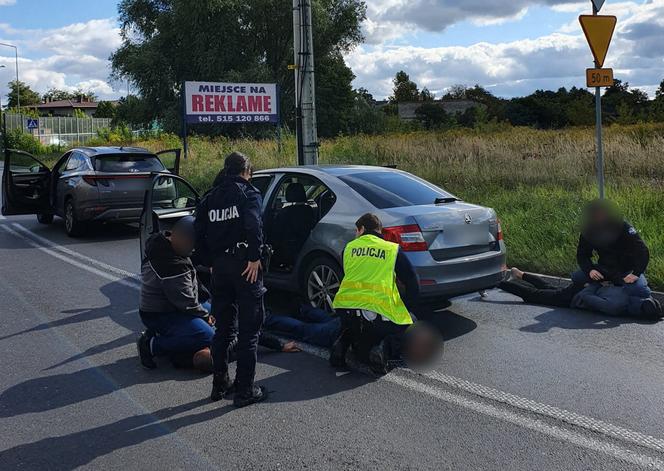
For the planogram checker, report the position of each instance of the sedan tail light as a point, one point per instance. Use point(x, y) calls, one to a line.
point(499, 236)
point(409, 238)
point(90, 180)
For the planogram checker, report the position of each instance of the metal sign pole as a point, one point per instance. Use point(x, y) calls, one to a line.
point(598, 124)
point(185, 144)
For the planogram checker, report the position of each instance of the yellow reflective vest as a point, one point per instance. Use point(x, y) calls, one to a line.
point(369, 280)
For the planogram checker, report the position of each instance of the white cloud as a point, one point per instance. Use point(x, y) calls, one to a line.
point(520, 67)
point(5, 3)
point(74, 56)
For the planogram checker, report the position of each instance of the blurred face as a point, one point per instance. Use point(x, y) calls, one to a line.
point(183, 245)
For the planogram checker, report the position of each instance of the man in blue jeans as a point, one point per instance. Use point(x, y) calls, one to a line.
point(310, 325)
point(177, 324)
point(622, 255)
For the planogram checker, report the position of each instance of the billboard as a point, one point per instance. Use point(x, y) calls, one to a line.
point(222, 103)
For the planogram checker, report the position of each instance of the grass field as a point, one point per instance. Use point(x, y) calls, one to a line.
point(536, 180)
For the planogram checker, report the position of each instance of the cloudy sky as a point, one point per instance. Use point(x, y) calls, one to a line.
point(511, 47)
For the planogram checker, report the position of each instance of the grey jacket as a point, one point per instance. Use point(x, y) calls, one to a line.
point(169, 282)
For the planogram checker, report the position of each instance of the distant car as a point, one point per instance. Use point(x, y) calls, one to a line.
point(87, 184)
point(309, 214)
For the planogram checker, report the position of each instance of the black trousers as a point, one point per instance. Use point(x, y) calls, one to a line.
point(535, 290)
point(364, 335)
point(238, 308)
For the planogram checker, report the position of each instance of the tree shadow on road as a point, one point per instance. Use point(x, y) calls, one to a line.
point(67, 452)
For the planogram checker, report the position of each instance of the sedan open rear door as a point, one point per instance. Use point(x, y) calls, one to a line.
point(26, 184)
point(168, 199)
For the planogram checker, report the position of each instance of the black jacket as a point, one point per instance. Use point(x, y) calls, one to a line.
point(169, 282)
point(627, 253)
point(230, 213)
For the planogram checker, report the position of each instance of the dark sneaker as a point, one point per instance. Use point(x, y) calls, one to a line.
point(221, 385)
point(651, 309)
point(338, 351)
point(378, 359)
point(254, 395)
point(144, 353)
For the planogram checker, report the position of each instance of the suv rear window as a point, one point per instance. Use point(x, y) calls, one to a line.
point(393, 189)
point(128, 163)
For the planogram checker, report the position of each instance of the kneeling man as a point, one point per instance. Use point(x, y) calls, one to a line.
point(177, 324)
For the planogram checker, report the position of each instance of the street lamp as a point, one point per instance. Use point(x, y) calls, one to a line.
point(18, 88)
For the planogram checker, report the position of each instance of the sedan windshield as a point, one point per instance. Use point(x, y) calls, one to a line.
point(394, 189)
point(128, 163)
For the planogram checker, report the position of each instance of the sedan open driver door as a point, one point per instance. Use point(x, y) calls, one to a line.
point(168, 199)
point(26, 184)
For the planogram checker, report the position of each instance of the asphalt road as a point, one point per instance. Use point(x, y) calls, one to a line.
point(521, 387)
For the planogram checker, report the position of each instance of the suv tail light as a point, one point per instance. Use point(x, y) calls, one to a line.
point(90, 180)
point(409, 238)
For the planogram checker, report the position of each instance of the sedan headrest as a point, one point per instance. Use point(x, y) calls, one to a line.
point(295, 193)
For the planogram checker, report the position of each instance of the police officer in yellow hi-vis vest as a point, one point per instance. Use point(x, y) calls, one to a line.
point(374, 313)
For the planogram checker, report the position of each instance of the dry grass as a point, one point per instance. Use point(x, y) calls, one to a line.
point(536, 180)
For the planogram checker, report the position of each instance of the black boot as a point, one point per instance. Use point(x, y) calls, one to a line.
point(339, 349)
point(221, 385)
point(651, 309)
point(378, 358)
point(144, 353)
point(252, 396)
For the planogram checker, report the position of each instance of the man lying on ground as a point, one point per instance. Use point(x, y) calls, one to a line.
point(605, 298)
point(310, 325)
point(173, 307)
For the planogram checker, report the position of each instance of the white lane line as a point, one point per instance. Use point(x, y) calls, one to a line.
point(587, 423)
point(572, 418)
point(51, 245)
point(559, 433)
point(104, 274)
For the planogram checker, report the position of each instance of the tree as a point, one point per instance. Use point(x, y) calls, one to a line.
point(431, 114)
point(55, 94)
point(166, 42)
point(427, 95)
point(27, 95)
point(133, 111)
point(105, 109)
point(405, 89)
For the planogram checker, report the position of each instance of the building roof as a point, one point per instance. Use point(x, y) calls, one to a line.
point(408, 110)
point(67, 104)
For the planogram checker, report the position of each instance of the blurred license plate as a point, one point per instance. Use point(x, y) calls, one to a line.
point(466, 234)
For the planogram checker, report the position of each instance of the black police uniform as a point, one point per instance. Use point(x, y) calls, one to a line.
point(229, 233)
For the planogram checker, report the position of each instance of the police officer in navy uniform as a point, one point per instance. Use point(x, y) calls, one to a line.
point(229, 233)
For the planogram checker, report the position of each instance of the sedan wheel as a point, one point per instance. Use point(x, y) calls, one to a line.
point(323, 281)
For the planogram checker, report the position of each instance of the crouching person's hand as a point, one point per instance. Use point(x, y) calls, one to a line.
point(290, 347)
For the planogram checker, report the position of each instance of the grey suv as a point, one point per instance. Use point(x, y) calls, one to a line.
point(309, 214)
point(87, 184)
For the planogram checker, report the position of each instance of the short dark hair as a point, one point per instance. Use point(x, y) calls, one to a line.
point(370, 222)
point(236, 163)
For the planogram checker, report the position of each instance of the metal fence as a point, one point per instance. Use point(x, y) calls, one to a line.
point(59, 131)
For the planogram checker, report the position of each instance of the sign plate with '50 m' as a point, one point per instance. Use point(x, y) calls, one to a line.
point(599, 77)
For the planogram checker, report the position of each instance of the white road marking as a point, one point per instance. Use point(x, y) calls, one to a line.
point(400, 378)
point(104, 274)
point(51, 245)
point(563, 415)
point(540, 426)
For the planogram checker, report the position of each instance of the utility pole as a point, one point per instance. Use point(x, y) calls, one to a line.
point(305, 97)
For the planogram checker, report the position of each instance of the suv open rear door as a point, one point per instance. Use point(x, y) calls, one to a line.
point(171, 160)
point(168, 199)
point(26, 184)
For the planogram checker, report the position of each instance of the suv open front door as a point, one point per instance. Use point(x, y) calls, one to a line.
point(168, 199)
point(171, 160)
point(26, 184)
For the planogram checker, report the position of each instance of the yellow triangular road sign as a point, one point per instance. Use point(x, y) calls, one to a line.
point(599, 31)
